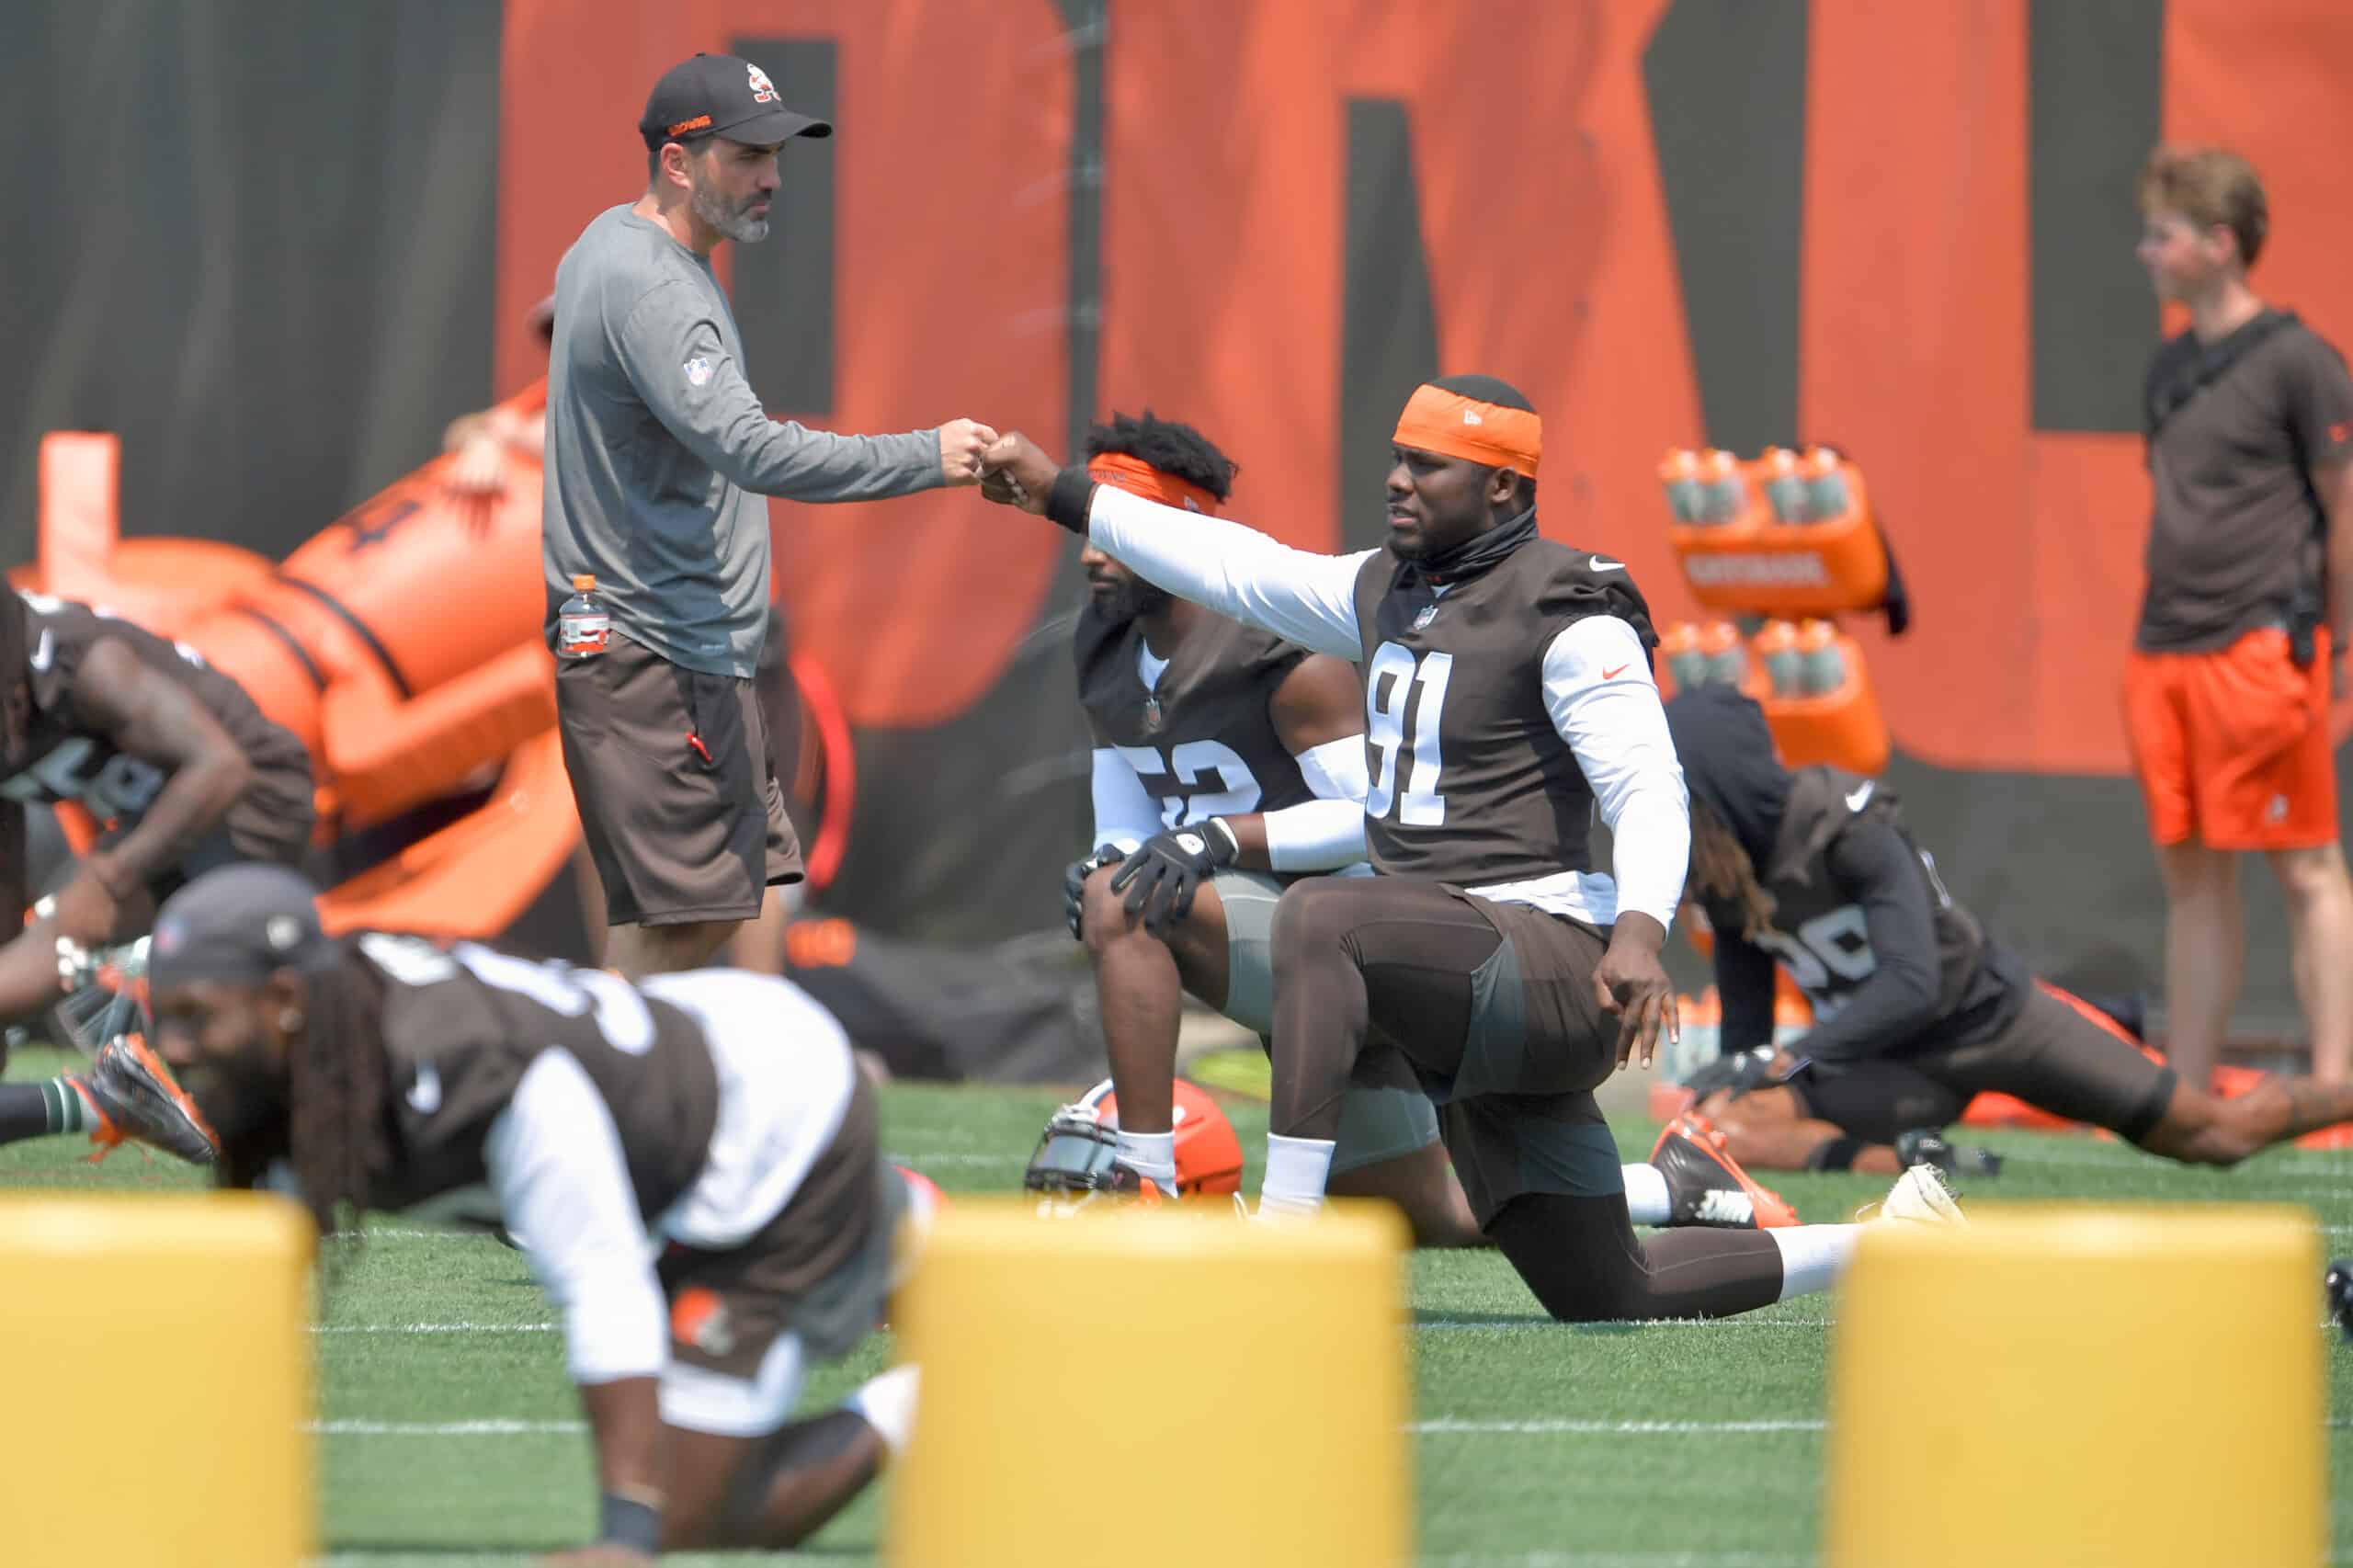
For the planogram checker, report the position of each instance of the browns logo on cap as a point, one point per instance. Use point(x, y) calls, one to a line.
point(723, 94)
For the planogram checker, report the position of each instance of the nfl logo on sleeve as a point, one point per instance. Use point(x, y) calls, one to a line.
point(698, 370)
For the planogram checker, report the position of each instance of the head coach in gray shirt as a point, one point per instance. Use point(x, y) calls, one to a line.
point(658, 457)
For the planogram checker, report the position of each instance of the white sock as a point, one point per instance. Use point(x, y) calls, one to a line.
point(1152, 1155)
point(1813, 1256)
point(1297, 1169)
point(888, 1405)
point(1646, 1200)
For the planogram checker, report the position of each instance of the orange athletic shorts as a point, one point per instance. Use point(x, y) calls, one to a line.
point(2231, 744)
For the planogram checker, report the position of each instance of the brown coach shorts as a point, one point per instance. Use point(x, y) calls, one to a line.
point(678, 793)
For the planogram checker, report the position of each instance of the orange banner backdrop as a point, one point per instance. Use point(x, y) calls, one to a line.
point(950, 149)
point(2024, 548)
point(1551, 262)
point(1545, 229)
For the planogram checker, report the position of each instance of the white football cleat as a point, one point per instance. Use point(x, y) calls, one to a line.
point(1920, 1198)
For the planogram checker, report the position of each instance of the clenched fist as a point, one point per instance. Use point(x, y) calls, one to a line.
point(1018, 473)
point(963, 445)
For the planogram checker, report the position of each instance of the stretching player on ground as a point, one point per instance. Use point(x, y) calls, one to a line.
point(1507, 697)
point(184, 773)
point(1916, 1009)
point(717, 1113)
point(1228, 764)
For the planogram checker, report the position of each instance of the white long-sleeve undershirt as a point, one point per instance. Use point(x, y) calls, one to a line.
point(1597, 678)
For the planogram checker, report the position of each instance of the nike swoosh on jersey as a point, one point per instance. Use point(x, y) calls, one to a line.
point(1603, 564)
point(1862, 795)
point(1613, 675)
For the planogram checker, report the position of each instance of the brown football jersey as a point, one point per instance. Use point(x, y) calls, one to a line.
point(1470, 782)
point(65, 759)
point(461, 1028)
point(1819, 933)
point(1200, 738)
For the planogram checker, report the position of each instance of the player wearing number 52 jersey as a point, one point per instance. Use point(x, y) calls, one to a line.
point(1227, 764)
point(1507, 696)
point(181, 771)
point(1915, 1007)
point(690, 1164)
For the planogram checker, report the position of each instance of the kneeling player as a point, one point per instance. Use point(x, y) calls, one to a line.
point(1228, 764)
point(187, 773)
point(717, 1112)
point(1916, 1009)
point(1509, 701)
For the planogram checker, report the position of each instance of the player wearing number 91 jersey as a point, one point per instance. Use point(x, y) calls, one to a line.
point(1507, 696)
point(690, 1164)
point(1209, 731)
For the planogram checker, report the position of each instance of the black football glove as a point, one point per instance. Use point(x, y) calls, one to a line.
point(1160, 880)
point(1075, 885)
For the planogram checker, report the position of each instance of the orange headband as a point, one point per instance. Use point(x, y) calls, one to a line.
point(1140, 478)
point(1453, 426)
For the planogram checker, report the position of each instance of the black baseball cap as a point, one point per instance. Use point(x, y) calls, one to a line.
point(237, 924)
point(720, 95)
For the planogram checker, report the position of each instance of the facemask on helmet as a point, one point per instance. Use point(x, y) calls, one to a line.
point(1074, 1160)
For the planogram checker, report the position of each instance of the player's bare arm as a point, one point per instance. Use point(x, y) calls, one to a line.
point(149, 716)
point(625, 1419)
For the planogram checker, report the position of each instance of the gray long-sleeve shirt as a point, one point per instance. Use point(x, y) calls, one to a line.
point(658, 452)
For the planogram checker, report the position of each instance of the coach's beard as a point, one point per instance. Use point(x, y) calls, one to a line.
point(735, 223)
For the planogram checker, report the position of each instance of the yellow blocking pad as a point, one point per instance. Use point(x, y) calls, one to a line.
point(2070, 1385)
point(1155, 1389)
point(158, 1377)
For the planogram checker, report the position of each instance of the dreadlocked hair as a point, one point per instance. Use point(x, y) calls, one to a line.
point(1722, 869)
point(338, 1139)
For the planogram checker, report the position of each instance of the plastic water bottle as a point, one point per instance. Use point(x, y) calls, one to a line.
point(1679, 472)
point(1687, 664)
point(1785, 486)
point(1826, 486)
point(1727, 494)
point(1727, 657)
point(1777, 648)
point(1822, 667)
point(582, 627)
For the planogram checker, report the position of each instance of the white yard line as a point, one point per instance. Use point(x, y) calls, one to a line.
point(436, 1328)
point(444, 1428)
point(1442, 1428)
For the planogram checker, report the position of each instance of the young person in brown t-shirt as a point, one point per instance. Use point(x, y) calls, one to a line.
point(2248, 613)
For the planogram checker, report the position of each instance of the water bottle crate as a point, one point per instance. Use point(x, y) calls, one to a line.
point(1843, 728)
point(1776, 534)
point(1811, 681)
